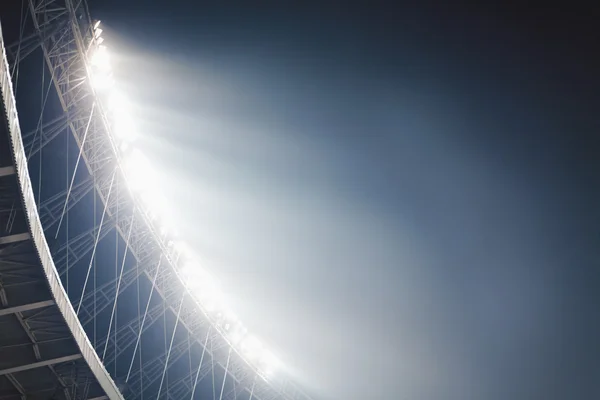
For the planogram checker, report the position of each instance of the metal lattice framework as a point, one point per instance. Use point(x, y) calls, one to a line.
point(44, 350)
point(110, 221)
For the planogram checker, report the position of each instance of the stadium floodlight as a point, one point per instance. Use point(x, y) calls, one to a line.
point(164, 230)
point(156, 208)
point(102, 81)
point(211, 290)
point(118, 103)
point(154, 203)
point(230, 319)
point(268, 363)
point(212, 298)
point(191, 273)
point(124, 147)
point(100, 69)
point(203, 286)
point(237, 333)
point(140, 177)
point(123, 128)
point(100, 59)
point(252, 347)
point(182, 249)
point(138, 170)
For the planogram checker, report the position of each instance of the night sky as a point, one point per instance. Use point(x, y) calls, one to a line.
point(403, 203)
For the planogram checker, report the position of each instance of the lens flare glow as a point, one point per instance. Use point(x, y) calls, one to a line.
point(141, 179)
point(100, 59)
point(139, 171)
point(252, 347)
point(268, 363)
point(124, 128)
point(204, 287)
point(118, 103)
point(237, 333)
point(102, 81)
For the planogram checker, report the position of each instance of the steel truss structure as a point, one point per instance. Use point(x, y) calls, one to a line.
point(44, 352)
point(122, 292)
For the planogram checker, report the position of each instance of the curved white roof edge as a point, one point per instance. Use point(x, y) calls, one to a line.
point(37, 235)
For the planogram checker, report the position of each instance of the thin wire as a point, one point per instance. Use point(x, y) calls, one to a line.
point(75, 171)
point(42, 104)
point(23, 20)
point(116, 271)
point(226, 372)
point(144, 319)
point(95, 219)
point(39, 124)
point(200, 365)
point(112, 315)
point(212, 363)
point(189, 342)
point(252, 391)
point(140, 324)
point(164, 304)
point(67, 227)
point(96, 241)
point(141, 377)
point(170, 347)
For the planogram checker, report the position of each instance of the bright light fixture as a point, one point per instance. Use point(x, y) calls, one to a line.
point(237, 333)
point(211, 296)
point(140, 176)
point(100, 69)
point(100, 58)
point(190, 272)
point(117, 103)
point(252, 347)
point(124, 147)
point(138, 170)
point(204, 287)
point(123, 128)
point(102, 82)
point(268, 363)
point(183, 248)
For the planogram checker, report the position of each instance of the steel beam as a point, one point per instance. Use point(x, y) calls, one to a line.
point(182, 388)
point(6, 171)
point(39, 364)
point(93, 303)
point(26, 307)
point(21, 49)
point(128, 334)
point(152, 371)
point(17, 385)
point(78, 247)
point(37, 139)
point(18, 237)
point(51, 209)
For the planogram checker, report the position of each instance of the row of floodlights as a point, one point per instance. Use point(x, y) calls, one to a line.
point(140, 177)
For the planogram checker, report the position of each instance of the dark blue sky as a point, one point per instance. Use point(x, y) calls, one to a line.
point(404, 204)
